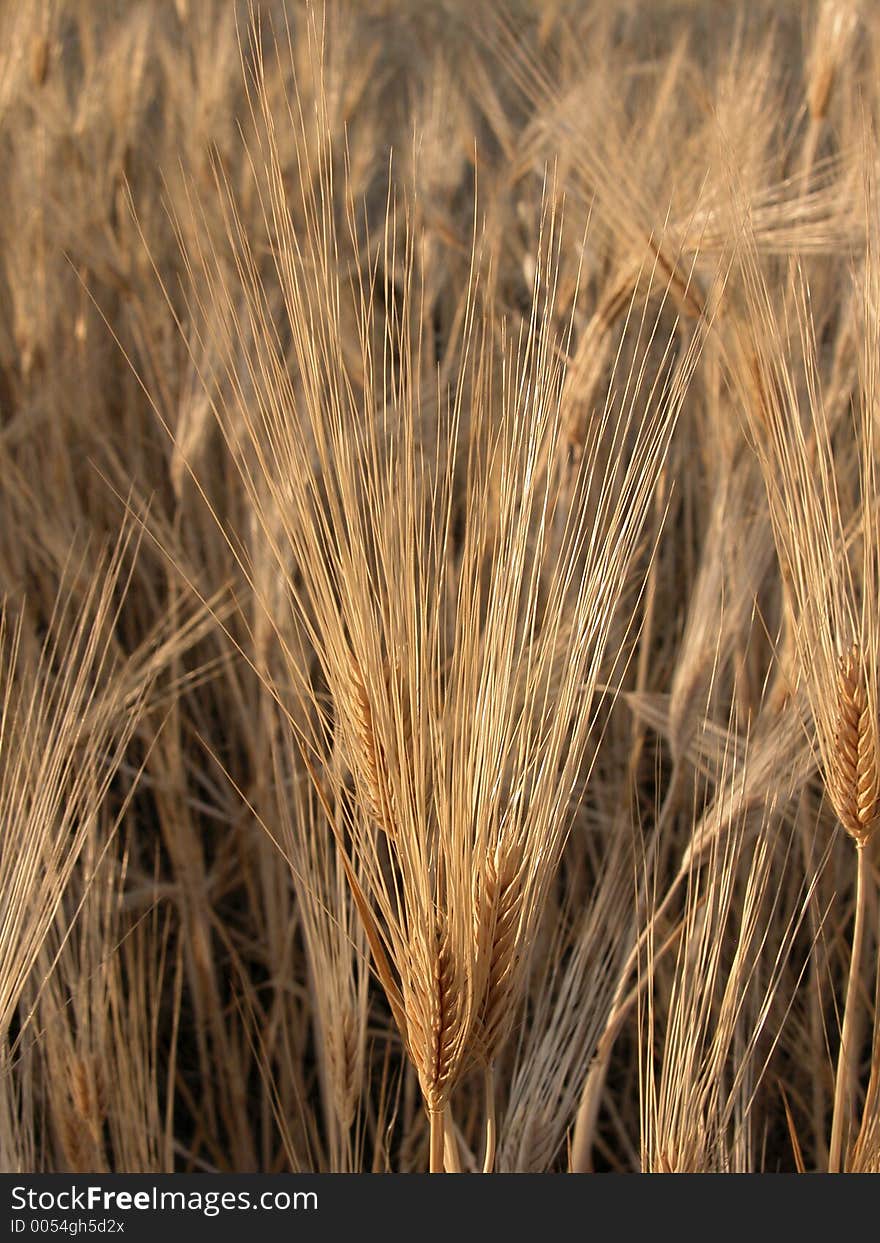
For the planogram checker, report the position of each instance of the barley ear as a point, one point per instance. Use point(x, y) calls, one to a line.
point(853, 779)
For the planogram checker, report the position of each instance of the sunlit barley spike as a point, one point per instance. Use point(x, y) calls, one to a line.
point(837, 24)
point(684, 287)
point(370, 761)
point(344, 1066)
point(590, 360)
point(86, 1095)
point(445, 1020)
point(351, 1074)
point(500, 920)
point(819, 91)
point(39, 60)
point(82, 1119)
point(854, 783)
point(71, 1137)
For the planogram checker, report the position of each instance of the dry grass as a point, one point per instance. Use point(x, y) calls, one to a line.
point(439, 554)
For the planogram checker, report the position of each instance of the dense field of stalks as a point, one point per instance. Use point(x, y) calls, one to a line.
point(439, 564)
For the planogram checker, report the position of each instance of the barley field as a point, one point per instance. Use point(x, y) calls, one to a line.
point(439, 570)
